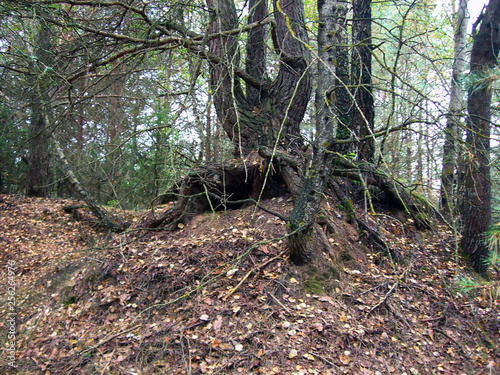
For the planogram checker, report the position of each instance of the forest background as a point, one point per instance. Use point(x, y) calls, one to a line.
point(358, 139)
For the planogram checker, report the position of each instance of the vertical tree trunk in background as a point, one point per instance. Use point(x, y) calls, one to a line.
point(343, 100)
point(420, 157)
point(208, 134)
point(303, 215)
point(363, 113)
point(409, 155)
point(38, 177)
point(455, 108)
point(116, 118)
point(476, 205)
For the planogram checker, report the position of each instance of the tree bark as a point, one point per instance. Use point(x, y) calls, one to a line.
point(38, 177)
point(273, 110)
point(303, 215)
point(476, 207)
point(255, 64)
point(363, 114)
point(343, 98)
point(452, 132)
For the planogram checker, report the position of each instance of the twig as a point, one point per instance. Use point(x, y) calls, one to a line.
point(262, 265)
point(324, 359)
point(385, 297)
point(109, 338)
point(279, 303)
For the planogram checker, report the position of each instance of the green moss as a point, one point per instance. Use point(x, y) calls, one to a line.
point(345, 256)
point(314, 285)
point(69, 301)
point(90, 278)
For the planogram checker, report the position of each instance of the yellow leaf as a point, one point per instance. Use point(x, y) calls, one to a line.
point(344, 359)
point(343, 317)
point(309, 356)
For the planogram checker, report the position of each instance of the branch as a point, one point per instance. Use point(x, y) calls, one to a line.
point(248, 200)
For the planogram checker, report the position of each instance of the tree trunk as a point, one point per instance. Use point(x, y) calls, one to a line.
point(454, 110)
point(303, 215)
point(363, 113)
point(255, 64)
point(343, 99)
point(476, 206)
point(38, 177)
point(269, 110)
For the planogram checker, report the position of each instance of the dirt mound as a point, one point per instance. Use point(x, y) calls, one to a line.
point(219, 295)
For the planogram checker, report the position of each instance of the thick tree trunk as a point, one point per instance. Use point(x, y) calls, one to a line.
point(270, 110)
point(343, 98)
point(476, 206)
point(455, 108)
point(38, 177)
point(255, 64)
point(363, 113)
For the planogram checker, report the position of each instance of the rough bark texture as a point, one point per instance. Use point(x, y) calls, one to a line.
point(455, 110)
point(255, 64)
point(38, 177)
point(476, 207)
point(276, 112)
point(362, 116)
point(343, 98)
point(303, 215)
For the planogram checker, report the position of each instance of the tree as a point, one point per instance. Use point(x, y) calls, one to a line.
point(362, 117)
point(38, 176)
point(302, 218)
point(455, 108)
point(476, 202)
point(269, 111)
point(260, 105)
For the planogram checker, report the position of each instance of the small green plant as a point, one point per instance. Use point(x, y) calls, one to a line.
point(69, 301)
point(493, 238)
point(112, 203)
point(466, 285)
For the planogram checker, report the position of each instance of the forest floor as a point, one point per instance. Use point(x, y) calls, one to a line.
point(218, 296)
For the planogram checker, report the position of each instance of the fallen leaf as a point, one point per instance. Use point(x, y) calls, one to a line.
point(345, 359)
point(218, 323)
point(309, 356)
point(231, 272)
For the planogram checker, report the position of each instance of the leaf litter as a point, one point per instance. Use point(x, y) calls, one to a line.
point(218, 296)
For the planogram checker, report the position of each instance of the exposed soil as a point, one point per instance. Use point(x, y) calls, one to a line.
point(218, 296)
